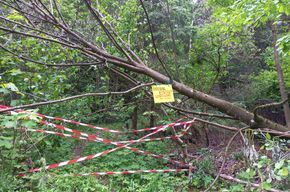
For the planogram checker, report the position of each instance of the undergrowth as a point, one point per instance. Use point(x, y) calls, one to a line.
point(21, 150)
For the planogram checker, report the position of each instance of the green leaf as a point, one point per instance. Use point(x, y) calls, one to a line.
point(5, 142)
point(4, 91)
point(14, 102)
point(279, 164)
point(15, 72)
point(266, 186)
point(15, 16)
point(9, 124)
point(268, 136)
point(29, 124)
point(10, 86)
point(284, 172)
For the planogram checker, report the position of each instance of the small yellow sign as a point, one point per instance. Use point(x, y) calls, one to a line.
point(162, 93)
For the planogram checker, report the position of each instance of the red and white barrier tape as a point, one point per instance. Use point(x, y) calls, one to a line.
point(64, 120)
point(121, 142)
point(126, 172)
point(107, 141)
point(69, 162)
point(106, 152)
point(76, 132)
point(93, 137)
point(57, 133)
point(102, 153)
point(107, 129)
point(93, 126)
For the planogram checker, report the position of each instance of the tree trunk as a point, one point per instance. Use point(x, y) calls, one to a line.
point(221, 105)
point(152, 116)
point(134, 118)
point(174, 48)
point(283, 93)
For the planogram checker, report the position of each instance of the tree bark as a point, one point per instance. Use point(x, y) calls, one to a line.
point(174, 48)
point(134, 118)
point(283, 93)
point(221, 105)
point(152, 116)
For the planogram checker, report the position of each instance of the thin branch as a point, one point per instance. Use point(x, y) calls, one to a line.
point(230, 178)
point(278, 133)
point(267, 106)
point(25, 14)
point(48, 14)
point(124, 75)
point(48, 65)
point(59, 13)
point(126, 46)
point(110, 36)
point(199, 113)
point(153, 41)
point(74, 97)
point(34, 29)
point(225, 158)
point(37, 36)
point(29, 21)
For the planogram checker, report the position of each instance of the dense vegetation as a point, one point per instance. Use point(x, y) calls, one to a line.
point(237, 52)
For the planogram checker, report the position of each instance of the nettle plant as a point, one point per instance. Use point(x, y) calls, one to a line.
point(15, 146)
point(272, 166)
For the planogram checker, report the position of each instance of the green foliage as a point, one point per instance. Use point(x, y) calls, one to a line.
point(265, 84)
point(272, 171)
point(90, 183)
point(13, 147)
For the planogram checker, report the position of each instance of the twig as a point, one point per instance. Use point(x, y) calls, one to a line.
point(256, 116)
point(225, 158)
point(49, 65)
point(37, 37)
point(279, 133)
point(107, 32)
point(126, 46)
point(153, 41)
point(230, 178)
point(59, 13)
point(34, 29)
point(199, 113)
point(74, 97)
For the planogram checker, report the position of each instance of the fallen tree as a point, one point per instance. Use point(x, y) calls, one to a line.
point(47, 24)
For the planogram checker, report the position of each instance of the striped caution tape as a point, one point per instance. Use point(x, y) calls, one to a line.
point(93, 126)
point(94, 137)
point(126, 172)
point(57, 133)
point(96, 127)
point(69, 162)
point(107, 129)
point(76, 132)
point(102, 153)
point(64, 120)
point(121, 142)
point(107, 141)
point(173, 137)
point(119, 146)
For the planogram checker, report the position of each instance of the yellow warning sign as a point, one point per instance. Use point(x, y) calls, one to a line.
point(162, 93)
